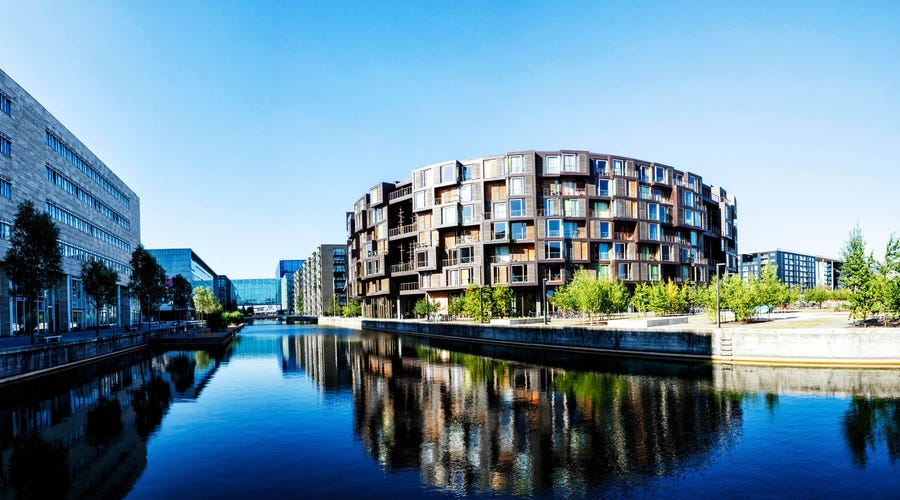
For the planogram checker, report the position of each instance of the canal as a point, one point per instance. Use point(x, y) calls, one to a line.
point(305, 411)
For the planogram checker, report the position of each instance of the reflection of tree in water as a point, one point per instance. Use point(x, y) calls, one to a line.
point(868, 421)
point(150, 404)
point(181, 368)
point(472, 424)
point(104, 421)
point(38, 470)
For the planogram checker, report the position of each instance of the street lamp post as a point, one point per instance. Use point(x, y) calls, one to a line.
point(718, 300)
point(481, 304)
point(544, 301)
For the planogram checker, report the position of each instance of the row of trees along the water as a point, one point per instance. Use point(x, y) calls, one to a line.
point(33, 264)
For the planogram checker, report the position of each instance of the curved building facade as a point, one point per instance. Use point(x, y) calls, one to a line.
point(519, 218)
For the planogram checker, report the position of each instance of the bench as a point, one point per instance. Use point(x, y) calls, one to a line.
point(47, 339)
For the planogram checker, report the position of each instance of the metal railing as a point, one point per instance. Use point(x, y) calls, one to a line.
point(400, 193)
point(403, 267)
point(407, 287)
point(396, 231)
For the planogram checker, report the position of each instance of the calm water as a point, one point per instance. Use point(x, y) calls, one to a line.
point(300, 411)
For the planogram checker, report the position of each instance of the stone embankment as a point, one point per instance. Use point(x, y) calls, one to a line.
point(789, 346)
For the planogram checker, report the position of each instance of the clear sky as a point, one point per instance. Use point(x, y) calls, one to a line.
point(248, 129)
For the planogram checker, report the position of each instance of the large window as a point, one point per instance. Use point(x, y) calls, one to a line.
point(554, 227)
point(468, 213)
point(604, 251)
point(599, 167)
point(572, 208)
point(499, 210)
point(655, 233)
point(519, 273)
point(654, 272)
point(517, 207)
point(500, 230)
point(660, 174)
point(448, 214)
point(619, 167)
point(602, 187)
point(570, 163)
point(519, 230)
point(620, 251)
point(5, 103)
point(5, 230)
point(467, 172)
point(601, 209)
point(570, 230)
point(553, 249)
point(653, 211)
point(5, 188)
point(604, 230)
point(517, 185)
point(5, 146)
point(552, 208)
point(517, 164)
point(689, 198)
point(419, 200)
point(423, 178)
point(644, 192)
point(448, 173)
point(623, 272)
point(467, 192)
point(551, 165)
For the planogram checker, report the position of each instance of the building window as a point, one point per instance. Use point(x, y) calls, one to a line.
point(619, 167)
point(644, 192)
point(570, 230)
point(604, 251)
point(75, 159)
point(519, 230)
point(599, 167)
point(466, 255)
point(601, 209)
point(653, 211)
point(553, 228)
point(499, 210)
point(517, 207)
point(5, 146)
point(467, 172)
point(623, 272)
point(553, 249)
point(423, 178)
point(570, 163)
point(452, 277)
point(448, 173)
point(689, 217)
point(655, 234)
point(604, 230)
point(603, 271)
point(572, 208)
point(660, 174)
point(448, 214)
point(620, 251)
point(517, 185)
point(5, 188)
point(5, 103)
point(602, 188)
point(419, 200)
point(552, 208)
point(5, 230)
point(499, 230)
point(665, 252)
point(518, 274)
point(551, 165)
point(654, 272)
point(644, 173)
point(517, 164)
point(468, 213)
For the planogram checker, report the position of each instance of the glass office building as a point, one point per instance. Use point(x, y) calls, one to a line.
point(185, 262)
point(262, 294)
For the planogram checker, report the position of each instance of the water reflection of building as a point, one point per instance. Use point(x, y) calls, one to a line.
point(324, 358)
point(470, 423)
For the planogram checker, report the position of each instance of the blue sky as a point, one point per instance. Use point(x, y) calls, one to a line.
point(248, 129)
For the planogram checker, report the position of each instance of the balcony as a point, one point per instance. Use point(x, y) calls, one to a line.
point(400, 230)
point(624, 236)
point(515, 257)
point(446, 198)
point(400, 193)
point(409, 287)
point(403, 267)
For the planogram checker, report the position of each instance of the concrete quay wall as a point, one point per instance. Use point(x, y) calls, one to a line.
point(33, 360)
point(790, 346)
point(341, 322)
point(653, 343)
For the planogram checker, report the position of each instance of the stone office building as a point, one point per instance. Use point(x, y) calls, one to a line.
point(518, 219)
point(98, 216)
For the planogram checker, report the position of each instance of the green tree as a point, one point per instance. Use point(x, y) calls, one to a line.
point(478, 302)
point(889, 274)
point(502, 299)
point(858, 276)
point(457, 306)
point(205, 300)
point(33, 262)
point(640, 299)
point(352, 309)
point(180, 293)
point(424, 307)
point(298, 299)
point(99, 283)
point(148, 281)
point(817, 295)
point(768, 290)
point(738, 296)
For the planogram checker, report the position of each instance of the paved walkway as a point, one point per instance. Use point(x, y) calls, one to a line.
point(17, 341)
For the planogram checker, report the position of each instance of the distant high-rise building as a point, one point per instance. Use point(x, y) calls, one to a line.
point(323, 280)
point(793, 268)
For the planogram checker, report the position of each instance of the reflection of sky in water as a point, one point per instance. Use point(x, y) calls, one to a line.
point(318, 414)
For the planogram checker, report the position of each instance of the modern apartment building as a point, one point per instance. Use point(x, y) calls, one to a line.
point(518, 219)
point(323, 280)
point(793, 268)
point(285, 272)
point(97, 214)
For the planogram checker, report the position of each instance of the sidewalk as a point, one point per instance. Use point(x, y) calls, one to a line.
point(18, 341)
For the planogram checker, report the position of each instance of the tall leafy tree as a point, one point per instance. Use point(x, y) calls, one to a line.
point(858, 276)
point(33, 262)
point(180, 293)
point(99, 283)
point(205, 300)
point(502, 298)
point(148, 281)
